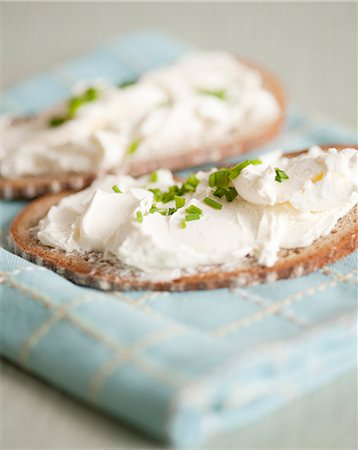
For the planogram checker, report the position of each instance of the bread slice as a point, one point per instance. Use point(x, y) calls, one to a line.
point(34, 186)
point(95, 271)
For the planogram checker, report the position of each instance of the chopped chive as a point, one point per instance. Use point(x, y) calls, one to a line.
point(164, 212)
point(183, 224)
point(222, 178)
point(192, 209)
point(280, 175)
point(213, 203)
point(157, 194)
point(126, 83)
point(221, 94)
point(153, 208)
point(139, 216)
point(154, 177)
point(116, 189)
point(179, 201)
point(187, 187)
point(74, 103)
point(236, 170)
point(193, 180)
point(133, 146)
point(57, 121)
point(168, 197)
point(91, 94)
point(190, 184)
point(220, 192)
point(174, 189)
point(231, 194)
point(190, 217)
point(212, 179)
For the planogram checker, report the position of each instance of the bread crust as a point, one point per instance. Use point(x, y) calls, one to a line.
point(34, 186)
point(106, 276)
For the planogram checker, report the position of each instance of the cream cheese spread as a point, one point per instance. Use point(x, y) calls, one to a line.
point(202, 99)
point(255, 208)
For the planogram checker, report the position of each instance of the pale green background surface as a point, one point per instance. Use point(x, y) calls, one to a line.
point(313, 48)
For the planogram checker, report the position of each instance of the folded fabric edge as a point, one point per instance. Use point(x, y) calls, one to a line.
point(242, 393)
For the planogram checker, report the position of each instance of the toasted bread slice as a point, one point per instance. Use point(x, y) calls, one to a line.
point(94, 270)
point(34, 186)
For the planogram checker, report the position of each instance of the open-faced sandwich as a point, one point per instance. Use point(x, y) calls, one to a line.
point(279, 216)
point(201, 109)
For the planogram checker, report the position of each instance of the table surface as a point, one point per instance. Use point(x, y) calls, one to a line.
point(34, 415)
point(313, 48)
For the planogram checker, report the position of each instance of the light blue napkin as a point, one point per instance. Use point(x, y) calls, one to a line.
point(178, 366)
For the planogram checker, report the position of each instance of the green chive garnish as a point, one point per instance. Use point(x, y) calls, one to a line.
point(231, 194)
point(236, 170)
point(220, 178)
point(124, 84)
point(179, 201)
point(90, 95)
point(220, 192)
point(192, 180)
point(280, 175)
point(154, 177)
point(133, 146)
point(168, 197)
point(157, 194)
point(116, 189)
point(192, 209)
point(139, 216)
point(190, 184)
point(183, 224)
point(218, 93)
point(57, 121)
point(153, 208)
point(190, 217)
point(212, 179)
point(213, 203)
point(74, 104)
point(175, 191)
point(171, 211)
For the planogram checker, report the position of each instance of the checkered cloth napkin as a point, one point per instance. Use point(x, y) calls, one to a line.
point(177, 365)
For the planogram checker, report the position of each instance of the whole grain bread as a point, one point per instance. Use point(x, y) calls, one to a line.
point(34, 186)
point(94, 270)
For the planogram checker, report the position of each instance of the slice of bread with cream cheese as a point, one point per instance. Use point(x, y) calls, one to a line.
point(278, 216)
point(203, 108)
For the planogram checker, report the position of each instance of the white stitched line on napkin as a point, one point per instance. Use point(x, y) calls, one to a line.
point(124, 355)
point(161, 373)
point(262, 301)
point(149, 311)
point(140, 303)
point(272, 309)
point(70, 317)
point(60, 313)
point(4, 276)
point(338, 275)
